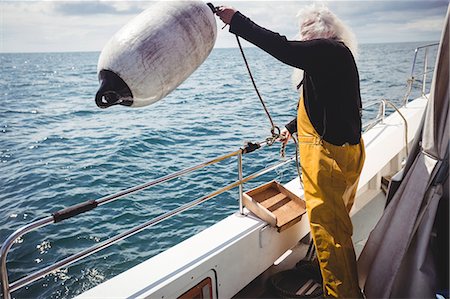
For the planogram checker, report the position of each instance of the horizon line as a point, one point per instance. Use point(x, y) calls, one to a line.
point(233, 47)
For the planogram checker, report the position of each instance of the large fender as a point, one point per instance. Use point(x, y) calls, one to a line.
point(155, 52)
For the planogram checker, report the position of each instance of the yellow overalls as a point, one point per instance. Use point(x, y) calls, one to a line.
point(330, 178)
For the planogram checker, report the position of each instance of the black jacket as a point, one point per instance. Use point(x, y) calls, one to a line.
point(331, 81)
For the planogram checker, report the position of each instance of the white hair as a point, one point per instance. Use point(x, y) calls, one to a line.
point(317, 21)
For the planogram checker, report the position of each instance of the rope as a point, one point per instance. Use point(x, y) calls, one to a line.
point(297, 162)
point(274, 130)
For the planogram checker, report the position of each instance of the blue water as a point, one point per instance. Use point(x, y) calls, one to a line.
point(58, 149)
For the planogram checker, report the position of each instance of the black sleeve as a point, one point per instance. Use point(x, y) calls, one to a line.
point(292, 126)
point(300, 54)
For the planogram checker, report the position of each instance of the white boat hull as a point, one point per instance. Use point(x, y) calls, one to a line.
point(239, 248)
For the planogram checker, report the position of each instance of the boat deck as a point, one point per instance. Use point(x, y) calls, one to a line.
point(363, 224)
point(260, 287)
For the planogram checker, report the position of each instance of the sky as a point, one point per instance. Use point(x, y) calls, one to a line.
point(60, 26)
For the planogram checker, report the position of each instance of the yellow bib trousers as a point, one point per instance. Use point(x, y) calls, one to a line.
point(330, 178)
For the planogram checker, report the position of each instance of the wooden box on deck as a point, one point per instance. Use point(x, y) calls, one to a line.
point(275, 204)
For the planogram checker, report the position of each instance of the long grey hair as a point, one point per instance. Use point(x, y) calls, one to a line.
point(317, 21)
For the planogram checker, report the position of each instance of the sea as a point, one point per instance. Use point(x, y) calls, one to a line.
point(58, 149)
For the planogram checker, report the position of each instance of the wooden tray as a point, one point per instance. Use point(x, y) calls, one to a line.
point(275, 204)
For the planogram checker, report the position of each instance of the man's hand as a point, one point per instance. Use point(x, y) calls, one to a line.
point(225, 13)
point(284, 136)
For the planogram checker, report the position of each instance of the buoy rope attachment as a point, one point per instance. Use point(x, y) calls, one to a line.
point(275, 130)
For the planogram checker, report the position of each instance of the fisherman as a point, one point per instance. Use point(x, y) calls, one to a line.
point(328, 127)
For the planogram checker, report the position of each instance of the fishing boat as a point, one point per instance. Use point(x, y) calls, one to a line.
point(240, 255)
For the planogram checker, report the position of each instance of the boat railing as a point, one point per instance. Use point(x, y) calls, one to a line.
point(8, 288)
point(381, 114)
point(425, 71)
point(378, 118)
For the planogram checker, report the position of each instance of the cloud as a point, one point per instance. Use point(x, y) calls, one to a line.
point(35, 26)
point(87, 25)
point(83, 8)
point(425, 25)
point(365, 12)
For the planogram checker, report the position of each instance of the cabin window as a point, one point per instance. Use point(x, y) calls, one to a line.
point(203, 290)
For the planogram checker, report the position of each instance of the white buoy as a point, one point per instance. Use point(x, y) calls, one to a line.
point(155, 52)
